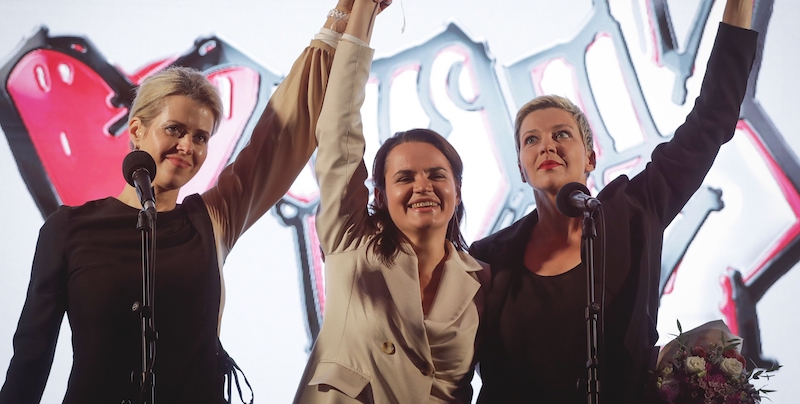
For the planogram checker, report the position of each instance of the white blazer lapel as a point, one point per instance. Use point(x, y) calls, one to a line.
point(402, 280)
point(457, 288)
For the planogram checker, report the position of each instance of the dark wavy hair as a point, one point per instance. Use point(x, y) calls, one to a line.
point(388, 240)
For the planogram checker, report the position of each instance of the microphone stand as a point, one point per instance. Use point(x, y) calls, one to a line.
point(589, 233)
point(147, 379)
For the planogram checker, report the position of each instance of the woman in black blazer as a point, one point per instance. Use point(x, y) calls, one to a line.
point(533, 346)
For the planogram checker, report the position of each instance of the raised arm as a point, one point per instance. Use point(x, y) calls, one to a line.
point(280, 145)
point(677, 168)
point(342, 217)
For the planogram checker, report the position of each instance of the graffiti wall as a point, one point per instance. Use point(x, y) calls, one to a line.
point(458, 67)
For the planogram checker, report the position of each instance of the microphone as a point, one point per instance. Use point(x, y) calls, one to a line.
point(139, 170)
point(573, 199)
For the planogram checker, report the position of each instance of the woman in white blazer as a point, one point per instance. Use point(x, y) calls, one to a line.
point(402, 295)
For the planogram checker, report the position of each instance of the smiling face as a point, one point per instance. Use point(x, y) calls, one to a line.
point(177, 139)
point(421, 190)
point(552, 152)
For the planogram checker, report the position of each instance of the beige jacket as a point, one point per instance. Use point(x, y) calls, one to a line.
point(280, 146)
point(375, 344)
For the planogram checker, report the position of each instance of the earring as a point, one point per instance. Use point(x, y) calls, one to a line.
point(136, 147)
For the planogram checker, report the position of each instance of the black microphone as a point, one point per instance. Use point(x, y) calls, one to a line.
point(573, 199)
point(139, 170)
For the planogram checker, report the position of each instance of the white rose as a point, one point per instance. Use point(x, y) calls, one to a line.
point(731, 366)
point(695, 364)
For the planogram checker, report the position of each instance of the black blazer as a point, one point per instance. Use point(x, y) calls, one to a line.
point(636, 210)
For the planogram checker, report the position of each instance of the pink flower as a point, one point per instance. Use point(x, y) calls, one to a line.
point(699, 351)
point(701, 370)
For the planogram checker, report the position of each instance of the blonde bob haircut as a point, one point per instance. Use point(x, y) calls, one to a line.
point(562, 103)
point(176, 80)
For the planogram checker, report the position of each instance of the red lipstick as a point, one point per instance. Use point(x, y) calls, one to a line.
point(549, 164)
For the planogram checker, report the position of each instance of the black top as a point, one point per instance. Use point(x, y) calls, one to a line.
point(542, 323)
point(636, 211)
point(88, 264)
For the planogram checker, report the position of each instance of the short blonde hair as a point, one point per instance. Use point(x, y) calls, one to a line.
point(176, 80)
point(562, 103)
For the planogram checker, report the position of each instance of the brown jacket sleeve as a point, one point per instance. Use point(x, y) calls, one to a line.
point(280, 146)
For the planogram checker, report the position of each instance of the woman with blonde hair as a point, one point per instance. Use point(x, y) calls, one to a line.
point(534, 339)
point(88, 263)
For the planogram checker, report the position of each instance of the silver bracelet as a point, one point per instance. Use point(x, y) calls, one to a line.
point(338, 15)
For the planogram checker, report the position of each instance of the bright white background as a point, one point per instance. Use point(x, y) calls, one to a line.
point(263, 328)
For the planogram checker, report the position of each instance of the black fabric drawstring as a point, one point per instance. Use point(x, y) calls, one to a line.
point(230, 374)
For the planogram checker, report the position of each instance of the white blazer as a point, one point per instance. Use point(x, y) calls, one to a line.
point(375, 344)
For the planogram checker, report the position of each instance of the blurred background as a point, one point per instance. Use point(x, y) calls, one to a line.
point(461, 67)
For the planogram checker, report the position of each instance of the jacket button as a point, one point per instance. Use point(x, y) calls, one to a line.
point(388, 348)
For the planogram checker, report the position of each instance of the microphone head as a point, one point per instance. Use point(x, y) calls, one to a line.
point(135, 160)
point(563, 199)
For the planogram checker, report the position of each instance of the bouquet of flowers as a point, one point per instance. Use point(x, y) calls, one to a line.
point(704, 365)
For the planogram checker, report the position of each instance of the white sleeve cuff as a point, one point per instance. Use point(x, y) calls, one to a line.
point(354, 40)
point(328, 36)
